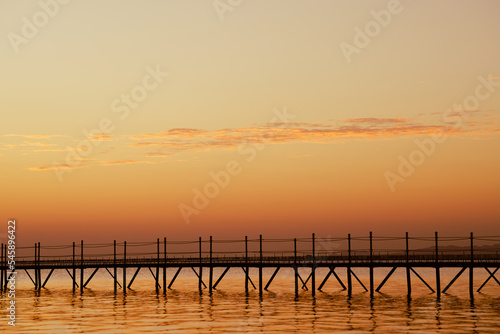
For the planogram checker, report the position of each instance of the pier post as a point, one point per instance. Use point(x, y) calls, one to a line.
point(200, 276)
point(313, 272)
point(371, 264)
point(471, 268)
point(438, 276)
point(6, 276)
point(6, 271)
point(36, 267)
point(81, 267)
point(295, 268)
point(164, 265)
point(2, 263)
point(260, 266)
point(4, 283)
point(39, 269)
point(349, 278)
point(115, 279)
point(74, 267)
point(157, 278)
point(246, 264)
point(124, 267)
point(4, 266)
point(211, 270)
point(3, 271)
point(408, 273)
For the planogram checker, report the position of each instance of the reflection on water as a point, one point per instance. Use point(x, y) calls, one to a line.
point(230, 310)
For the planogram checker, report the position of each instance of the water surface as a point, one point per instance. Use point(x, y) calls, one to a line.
point(229, 310)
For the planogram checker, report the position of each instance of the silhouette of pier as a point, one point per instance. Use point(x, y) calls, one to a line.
point(82, 261)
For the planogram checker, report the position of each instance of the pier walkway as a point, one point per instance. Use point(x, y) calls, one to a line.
point(82, 261)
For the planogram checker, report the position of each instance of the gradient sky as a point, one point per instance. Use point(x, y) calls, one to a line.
point(232, 75)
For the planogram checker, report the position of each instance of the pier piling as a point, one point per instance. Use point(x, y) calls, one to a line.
point(408, 272)
point(260, 266)
point(124, 285)
point(164, 265)
point(349, 278)
point(200, 275)
point(438, 275)
point(74, 267)
point(115, 279)
point(81, 267)
point(471, 268)
point(295, 268)
point(157, 278)
point(210, 270)
point(246, 264)
point(371, 265)
point(1, 270)
point(313, 268)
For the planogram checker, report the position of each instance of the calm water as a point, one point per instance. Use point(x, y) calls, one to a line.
point(229, 310)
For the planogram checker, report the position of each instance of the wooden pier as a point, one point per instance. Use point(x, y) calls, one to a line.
point(82, 261)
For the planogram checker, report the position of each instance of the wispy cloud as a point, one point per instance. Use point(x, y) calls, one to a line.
point(4, 147)
point(188, 140)
point(156, 155)
point(142, 148)
point(123, 162)
point(100, 137)
point(377, 120)
point(33, 136)
point(178, 133)
point(56, 167)
point(26, 143)
point(50, 150)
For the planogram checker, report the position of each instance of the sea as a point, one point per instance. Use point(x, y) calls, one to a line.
point(184, 309)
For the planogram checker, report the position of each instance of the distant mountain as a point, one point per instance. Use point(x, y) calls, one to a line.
point(495, 247)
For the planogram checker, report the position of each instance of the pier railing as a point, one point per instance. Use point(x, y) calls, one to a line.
point(349, 252)
point(300, 250)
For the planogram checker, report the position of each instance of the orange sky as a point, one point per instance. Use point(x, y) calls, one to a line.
point(175, 119)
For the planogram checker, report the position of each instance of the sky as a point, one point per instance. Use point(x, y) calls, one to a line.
point(132, 120)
